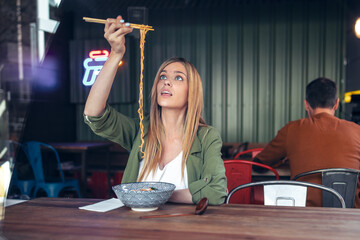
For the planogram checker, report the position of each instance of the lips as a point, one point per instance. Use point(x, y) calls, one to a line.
point(166, 93)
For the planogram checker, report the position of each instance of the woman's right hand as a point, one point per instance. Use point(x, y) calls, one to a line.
point(115, 31)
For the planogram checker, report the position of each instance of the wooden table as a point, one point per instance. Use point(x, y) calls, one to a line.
point(55, 218)
point(83, 148)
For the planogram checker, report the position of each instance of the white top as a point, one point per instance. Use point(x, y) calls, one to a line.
point(171, 173)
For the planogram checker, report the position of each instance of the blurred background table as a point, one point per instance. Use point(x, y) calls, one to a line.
point(84, 148)
point(229, 150)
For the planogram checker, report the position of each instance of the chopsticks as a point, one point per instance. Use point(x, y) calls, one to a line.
point(133, 25)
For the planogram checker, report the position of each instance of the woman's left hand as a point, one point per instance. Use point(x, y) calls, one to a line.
point(181, 196)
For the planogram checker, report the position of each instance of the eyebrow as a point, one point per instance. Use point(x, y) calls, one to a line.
point(175, 72)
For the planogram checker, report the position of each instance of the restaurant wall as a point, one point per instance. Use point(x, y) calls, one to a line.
point(352, 61)
point(255, 59)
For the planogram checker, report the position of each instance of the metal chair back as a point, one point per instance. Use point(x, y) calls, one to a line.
point(22, 179)
point(343, 180)
point(240, 172)
point(58, 183)
point(288, 195)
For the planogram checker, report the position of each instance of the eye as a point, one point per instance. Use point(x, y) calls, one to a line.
point(162, 77)
point(179, 78)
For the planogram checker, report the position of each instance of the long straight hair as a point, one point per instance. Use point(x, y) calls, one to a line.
point(193, 119)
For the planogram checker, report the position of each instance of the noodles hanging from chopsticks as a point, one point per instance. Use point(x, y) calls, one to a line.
point(143, 32)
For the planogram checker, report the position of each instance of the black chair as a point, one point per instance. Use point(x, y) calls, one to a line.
point(288, 196)
point(343, 180)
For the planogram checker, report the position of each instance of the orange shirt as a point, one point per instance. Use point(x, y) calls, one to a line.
point(322, 141)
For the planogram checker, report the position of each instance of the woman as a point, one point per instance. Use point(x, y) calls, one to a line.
point(179, 147)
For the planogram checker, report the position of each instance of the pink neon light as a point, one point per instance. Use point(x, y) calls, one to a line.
point(98, 53)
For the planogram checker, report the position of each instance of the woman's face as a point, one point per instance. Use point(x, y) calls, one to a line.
point(172, 87)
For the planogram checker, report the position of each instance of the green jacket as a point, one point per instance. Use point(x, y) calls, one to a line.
point(206, 172)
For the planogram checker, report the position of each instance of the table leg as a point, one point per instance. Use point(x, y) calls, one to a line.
point(108, 173)
point(83, 174)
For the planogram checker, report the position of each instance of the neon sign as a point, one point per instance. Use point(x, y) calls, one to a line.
point(93, 65)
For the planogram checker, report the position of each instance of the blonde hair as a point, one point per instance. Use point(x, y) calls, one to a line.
point(193, 119)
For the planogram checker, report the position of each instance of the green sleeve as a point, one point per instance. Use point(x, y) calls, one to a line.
point(212, 183)
point(115, 127)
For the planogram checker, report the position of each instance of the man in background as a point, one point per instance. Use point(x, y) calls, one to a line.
point(317, 142)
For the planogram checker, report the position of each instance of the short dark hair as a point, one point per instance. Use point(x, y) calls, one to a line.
point(321, 93)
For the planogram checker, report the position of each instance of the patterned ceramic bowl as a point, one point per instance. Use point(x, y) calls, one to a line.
point(144, 196)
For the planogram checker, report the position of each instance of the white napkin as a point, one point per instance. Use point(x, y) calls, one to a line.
point(10, 202)
point(104, 206)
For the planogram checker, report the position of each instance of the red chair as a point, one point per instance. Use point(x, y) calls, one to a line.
point(116, 179)
point(253, 152)
point(239, 172)
point(98, 184)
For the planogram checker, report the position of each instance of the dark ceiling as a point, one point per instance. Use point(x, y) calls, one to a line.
point(108, 7)
point(104, 5)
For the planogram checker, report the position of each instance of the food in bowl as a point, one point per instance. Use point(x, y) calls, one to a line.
point(144, 196)
point(145, 189)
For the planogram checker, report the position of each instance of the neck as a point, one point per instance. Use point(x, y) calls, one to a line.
point(173, 122)
point(315, 111)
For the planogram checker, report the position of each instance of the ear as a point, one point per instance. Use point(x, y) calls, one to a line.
point(307, 105)
point(308, 108)
point(336, 104)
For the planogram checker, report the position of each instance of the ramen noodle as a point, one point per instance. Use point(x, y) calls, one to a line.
point(143, 32)
point(149, 189)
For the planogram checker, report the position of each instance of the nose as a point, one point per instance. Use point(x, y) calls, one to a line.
point(167, 82)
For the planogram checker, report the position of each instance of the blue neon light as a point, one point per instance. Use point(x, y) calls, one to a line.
point(92, 69)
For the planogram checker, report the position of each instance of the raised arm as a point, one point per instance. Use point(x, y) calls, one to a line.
point(115, 31)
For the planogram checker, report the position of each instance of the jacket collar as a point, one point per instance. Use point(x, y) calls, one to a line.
point(196, 146)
